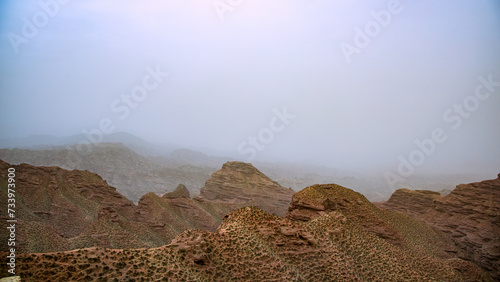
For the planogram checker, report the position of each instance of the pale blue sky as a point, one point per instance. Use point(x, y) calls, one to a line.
point(227, 75)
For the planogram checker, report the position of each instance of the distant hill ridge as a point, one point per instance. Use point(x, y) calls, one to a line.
point(133, 175)
point(136, 167)
point(48, 141)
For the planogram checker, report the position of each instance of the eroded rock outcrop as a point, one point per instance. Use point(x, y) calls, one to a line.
point(54, 205)
point(132, 174)
point(470, 214)
point(413, 202)
point(319, 199)
point(242, 184)
point(59, 210)
point(330, 233)
point(180, 213)
point(253, 245)
point(180, 192)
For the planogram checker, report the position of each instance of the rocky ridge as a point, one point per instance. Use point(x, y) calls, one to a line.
point(412, 202)
point(59, 210)
point(241, 184)
point(132, 174)
point(180, 192)
point(470, 214)
point(251, 244)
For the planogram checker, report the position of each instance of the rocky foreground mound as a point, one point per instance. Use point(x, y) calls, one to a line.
point(243, 185)
point(470, 214)
point(329, 234)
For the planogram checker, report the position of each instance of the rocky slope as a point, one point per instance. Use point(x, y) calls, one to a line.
point(180, 192)
point(132, 174)
point(242, 184)
point(470, 214)
point(61, 210)
point(125, 167)
point(331, 242)
point(413, 202)
point(317, 200)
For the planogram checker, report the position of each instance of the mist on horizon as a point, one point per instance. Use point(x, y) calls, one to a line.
point(398, 87)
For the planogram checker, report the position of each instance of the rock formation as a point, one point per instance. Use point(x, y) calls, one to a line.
point(132, 174)
point(470, 214)
point(180, 213)
point(61, 210)
point(329, 233)
point(414, 203)
point(254, 245)
point(319, 199)
point(180, 192)
point(242, 184)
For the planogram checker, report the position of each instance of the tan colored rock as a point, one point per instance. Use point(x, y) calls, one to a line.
point(414, 203)
point(132, 174)
point(11, 279)
point(319, 199)
point(253, 245)
point(470, 215)
point(61, 210)
point(180, 192)
point(242, 184)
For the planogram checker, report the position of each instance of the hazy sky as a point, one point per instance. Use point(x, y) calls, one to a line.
point(363, 80)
